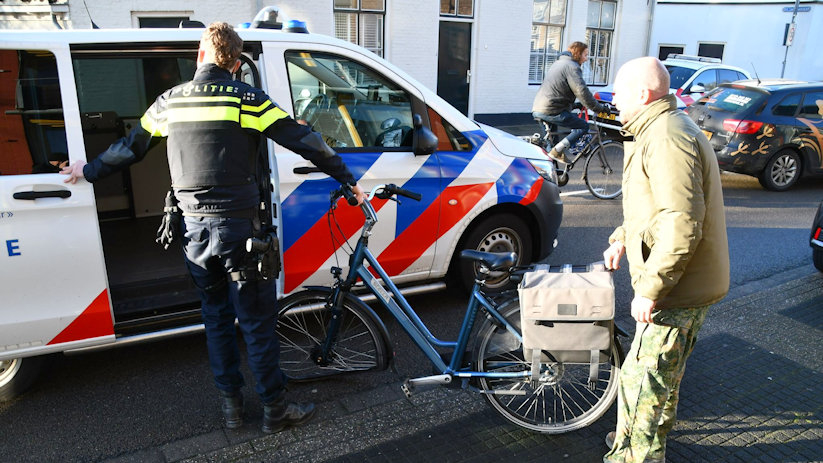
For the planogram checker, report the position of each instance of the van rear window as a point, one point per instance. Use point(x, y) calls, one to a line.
point(732, 100)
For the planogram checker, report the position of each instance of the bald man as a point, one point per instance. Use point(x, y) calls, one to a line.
point(674, 237)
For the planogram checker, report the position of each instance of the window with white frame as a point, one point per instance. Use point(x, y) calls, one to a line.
point(460, 8)
point(599, 33)
point(548, 21)
point(360, 22)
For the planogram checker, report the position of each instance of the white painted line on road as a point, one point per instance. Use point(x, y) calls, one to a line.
point(571, 193)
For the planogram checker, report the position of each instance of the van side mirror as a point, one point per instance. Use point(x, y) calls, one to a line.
point(423, 140)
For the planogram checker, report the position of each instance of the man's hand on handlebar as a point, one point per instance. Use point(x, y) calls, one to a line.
point(358, 193)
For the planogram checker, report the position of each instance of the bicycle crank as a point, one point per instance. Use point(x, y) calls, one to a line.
point(562, 177)
point(409, 385)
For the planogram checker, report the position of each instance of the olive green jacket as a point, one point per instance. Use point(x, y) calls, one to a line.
point(674, 224)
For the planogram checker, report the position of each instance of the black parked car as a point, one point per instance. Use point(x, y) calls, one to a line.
point(816, 239)
point(772, 130)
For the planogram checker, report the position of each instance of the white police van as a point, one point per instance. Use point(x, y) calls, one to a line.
point(79, 268)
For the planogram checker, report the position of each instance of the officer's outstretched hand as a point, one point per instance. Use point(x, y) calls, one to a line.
point(358, 193)
point(74, 171)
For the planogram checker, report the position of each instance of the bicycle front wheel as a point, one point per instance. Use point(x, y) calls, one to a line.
point(604, 170)
point(560, 401)
point(302, 327)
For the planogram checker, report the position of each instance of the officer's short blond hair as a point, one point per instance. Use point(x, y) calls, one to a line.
point(221, 40)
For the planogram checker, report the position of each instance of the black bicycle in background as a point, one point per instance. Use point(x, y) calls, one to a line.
point(603, 171)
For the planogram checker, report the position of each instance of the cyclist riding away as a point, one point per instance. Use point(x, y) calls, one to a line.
point(555, 99)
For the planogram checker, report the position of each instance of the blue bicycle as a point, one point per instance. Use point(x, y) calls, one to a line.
point(327, 331)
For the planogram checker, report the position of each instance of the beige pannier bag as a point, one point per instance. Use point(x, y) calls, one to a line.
point(567, 315)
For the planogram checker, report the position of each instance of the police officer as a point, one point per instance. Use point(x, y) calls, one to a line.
point(213, 125)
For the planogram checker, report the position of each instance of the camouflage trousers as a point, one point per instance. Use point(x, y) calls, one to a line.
point(650, 384)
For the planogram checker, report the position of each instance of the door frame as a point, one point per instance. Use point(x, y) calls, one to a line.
point(472, 57)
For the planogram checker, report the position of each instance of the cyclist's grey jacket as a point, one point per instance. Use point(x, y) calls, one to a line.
point(563, 82)
point(674, 224)
point(213, 125)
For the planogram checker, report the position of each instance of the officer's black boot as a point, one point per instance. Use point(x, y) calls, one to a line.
point(280, 413)
point(232, 405)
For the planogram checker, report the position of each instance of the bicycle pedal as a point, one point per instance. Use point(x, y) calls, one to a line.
point(407, 387)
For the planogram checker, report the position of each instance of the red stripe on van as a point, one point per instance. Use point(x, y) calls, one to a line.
point(408, 243)
point(308, 253)
point(533, 192)
point(93, 322)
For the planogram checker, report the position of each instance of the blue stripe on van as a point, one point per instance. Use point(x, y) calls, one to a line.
point(425, 181)
point(309, 202)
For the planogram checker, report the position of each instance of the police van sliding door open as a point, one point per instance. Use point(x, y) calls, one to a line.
point(53, 278)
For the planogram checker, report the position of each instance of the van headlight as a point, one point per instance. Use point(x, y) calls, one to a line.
point(545, 168)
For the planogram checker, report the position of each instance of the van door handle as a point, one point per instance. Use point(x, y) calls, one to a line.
point(30, 195)
point(306, 170)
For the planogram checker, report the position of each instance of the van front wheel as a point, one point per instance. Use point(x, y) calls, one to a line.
point(16, 375)
point(496, 233)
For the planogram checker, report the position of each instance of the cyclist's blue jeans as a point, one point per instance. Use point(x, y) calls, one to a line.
point(214, 247)
point(566, 119)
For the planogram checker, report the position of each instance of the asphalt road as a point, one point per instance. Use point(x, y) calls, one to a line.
point(96, 406)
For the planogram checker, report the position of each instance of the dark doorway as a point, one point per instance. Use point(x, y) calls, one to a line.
point(454, 63)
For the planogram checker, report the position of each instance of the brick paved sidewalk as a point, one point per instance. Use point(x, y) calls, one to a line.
point(753, 392)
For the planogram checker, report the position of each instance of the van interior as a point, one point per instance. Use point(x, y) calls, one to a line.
point(149, 286)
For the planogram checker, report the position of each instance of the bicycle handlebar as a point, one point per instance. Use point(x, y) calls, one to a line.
point(380, 191)
point(391, 189)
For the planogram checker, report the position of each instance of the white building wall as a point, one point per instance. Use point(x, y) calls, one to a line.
point(412, 30)
point(500, 69)
point(501, 31)
point(502, 50)
point(752, 34)
point(111, 14)
point(631, 33)
point(32, 14)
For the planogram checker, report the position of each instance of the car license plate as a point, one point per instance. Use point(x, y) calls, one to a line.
point(708, 134)
point(608, 116)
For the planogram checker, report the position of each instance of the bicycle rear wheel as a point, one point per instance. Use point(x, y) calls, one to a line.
point(604, 170)
point(561, 401)
point(302, 326)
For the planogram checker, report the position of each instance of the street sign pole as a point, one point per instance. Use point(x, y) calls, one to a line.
point(789, 36)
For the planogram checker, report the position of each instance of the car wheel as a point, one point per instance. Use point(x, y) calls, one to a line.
point(496, 233)
point(817, 257)
point(782, 171)
point(16, 375)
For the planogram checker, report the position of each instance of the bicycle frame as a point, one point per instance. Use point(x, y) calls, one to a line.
point(588, 149)
point(411, 323)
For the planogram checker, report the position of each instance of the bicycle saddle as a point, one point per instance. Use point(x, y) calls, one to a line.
point(494, 260)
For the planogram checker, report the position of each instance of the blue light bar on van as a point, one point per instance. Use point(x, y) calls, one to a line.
point(296, 26)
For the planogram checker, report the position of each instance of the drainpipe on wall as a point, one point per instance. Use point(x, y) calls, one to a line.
point(651, 4)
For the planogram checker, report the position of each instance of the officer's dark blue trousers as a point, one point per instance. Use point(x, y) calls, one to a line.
point(214, 247)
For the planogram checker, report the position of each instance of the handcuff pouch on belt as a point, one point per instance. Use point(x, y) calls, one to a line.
point(169, 229)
